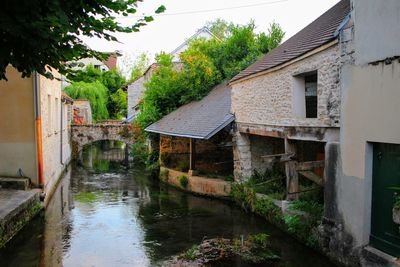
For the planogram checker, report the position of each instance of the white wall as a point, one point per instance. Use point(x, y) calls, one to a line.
point(370, 109)
point(377, 29)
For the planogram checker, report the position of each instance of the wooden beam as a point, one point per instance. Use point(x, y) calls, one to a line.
point(312, 177)
point(310, 165)
point(280, 157)
point(292, 179)
point(192, 156)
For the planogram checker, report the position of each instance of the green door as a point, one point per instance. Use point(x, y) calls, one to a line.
point(385, 234)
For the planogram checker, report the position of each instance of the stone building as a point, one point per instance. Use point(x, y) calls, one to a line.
point(196, 141)
point(35, 129)
point(327, 98)
point(287, 104)
point(136, 88)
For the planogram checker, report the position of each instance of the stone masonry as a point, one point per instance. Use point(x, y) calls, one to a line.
point(86, 134)
point(267, 99)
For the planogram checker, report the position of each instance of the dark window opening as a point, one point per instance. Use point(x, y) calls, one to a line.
point(311, 95)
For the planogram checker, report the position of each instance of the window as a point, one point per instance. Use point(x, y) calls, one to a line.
point(305, 95)
point(311, 95)
point(56, 116)
point(49, 121)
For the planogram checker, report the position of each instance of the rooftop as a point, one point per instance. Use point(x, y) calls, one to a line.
point(198, 119)
point(317, 33)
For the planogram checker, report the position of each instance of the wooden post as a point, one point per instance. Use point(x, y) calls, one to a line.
point(192, 159)
point(292, 178)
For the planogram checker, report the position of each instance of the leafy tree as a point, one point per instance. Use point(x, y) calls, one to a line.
point(38, 35)
point(139, 66)
point(95, 92)
point(112, 80)
point(267, 42)
point(220, 28)
point(119, 101)
point(205, 64)
point(162, 92)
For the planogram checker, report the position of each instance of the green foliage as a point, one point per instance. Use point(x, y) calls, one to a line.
point(243, 195)
point(265, 207)
point(303, 224)
point(190, 254)
point(313, 209)
point(396, 203)
point(164, 175)
point(139, 153)
point(42, 35)
point(119, 103)
point(220, 28)
point(229, 178)
point(139, 66)
point(271, 183)
point(95, 92)
point(301, 220)
point(161, 94)
point(183, 166)
point(205, 64)
point(113, 81)
point(258, 249)
point(183, 181)
point(267, 42)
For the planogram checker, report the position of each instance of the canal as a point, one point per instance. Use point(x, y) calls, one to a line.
point(104, 214)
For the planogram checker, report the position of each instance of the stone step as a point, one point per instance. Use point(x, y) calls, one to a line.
point(20, 183)
point(17, 207)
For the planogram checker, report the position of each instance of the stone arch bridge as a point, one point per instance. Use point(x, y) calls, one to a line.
point(82, 135)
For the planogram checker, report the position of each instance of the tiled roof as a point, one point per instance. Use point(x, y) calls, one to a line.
point(66, 97)
point(198, 119)
point(317, 33)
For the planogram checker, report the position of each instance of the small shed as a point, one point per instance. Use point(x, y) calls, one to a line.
point(197, 136)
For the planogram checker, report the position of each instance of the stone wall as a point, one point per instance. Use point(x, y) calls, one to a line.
point(85, 134)
point(196, 184)
point(261, 146)
point(268, 98)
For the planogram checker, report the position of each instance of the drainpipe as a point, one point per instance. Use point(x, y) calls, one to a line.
point(61, 131)
point(38, 123)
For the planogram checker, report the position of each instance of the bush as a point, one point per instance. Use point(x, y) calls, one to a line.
point(183, 166)
point(164, 175)
point(190, 254)
point(95, 92)
point(183, 180)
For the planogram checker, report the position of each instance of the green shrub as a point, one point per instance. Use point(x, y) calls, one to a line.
point(243, 195)
point(191, 253)
point(95, 92)
point(183, 166)
point(229, 178)
point(396, 203)
point(139, 153)
point(266, 208)
point(164, 175)
point(183, 180)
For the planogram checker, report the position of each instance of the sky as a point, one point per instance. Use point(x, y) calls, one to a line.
point(183, 18)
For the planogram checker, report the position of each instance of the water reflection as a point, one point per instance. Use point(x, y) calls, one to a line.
point(105, 215)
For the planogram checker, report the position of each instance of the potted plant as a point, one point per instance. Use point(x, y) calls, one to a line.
point(396, 206)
